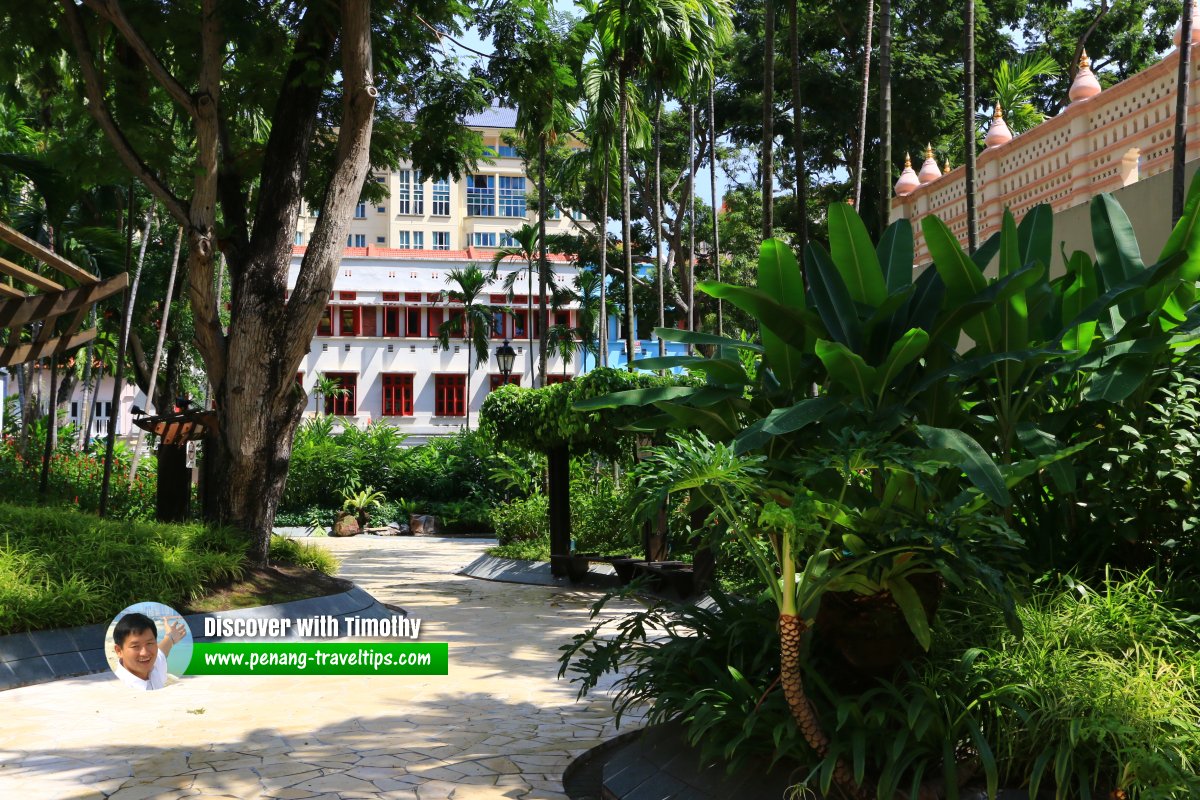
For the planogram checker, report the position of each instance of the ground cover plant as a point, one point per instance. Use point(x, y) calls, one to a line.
point(63, 568)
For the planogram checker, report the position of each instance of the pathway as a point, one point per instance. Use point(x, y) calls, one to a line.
point(499, 726)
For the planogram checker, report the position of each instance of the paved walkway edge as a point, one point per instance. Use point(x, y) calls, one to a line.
point(536, 573)
point(43, 656)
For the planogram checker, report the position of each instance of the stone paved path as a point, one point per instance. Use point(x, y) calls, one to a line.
point(499, 726)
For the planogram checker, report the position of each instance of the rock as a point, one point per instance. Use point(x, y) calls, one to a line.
point(403, 530)
point(423, 525)
point(345, 525)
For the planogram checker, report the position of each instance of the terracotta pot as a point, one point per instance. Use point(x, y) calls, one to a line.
point(869, 632)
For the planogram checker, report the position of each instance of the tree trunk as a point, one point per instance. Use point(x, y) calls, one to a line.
point(862, 115)
point(660, 277)
point(691, 269)
point(119, 368)
point(885, 113)
point(626, 239)
point(798, 133)
point(604, 264)
point(51, 427)
point(530, 322)
point(768, 109)
point(1178, 182)
point(712, 185)
point(543, 264)
point(969, 123)
point(791, 630)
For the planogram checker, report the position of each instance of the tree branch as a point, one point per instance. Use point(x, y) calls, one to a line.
point(100, 112)
point(111, 10)
point(315, 280)
point(1082, 42)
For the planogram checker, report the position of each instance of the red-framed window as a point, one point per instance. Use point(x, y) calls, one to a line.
point(391, 297)
point(520, 331)
point(435, 321)
point(499, 299)
point(325, 326)
point(458, 327)
point(343, 403)
point(300, 379)
point(397, 394)
point(369, 325)
point(412, 297)
point(498, 326)
point(347, 295)
point(450, 395)
point(496, 381)
point(349, 320)
point(412, 322)
point(552, 379)
point(562, 318)
point(391, 320)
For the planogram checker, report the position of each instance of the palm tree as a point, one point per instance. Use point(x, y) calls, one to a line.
point(474, 324)
point(589, 293)
point(768, 113)
point(712, 188)
point(327, 388)
point(527, 247)
point(866, 97)
point(1015, 83)
point(885, 112)
point(798, 130)
point(1181, 105)
point(969, 121)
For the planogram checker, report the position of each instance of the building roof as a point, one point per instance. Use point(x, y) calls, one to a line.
point(494, 117)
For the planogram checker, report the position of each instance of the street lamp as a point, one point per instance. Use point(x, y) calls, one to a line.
point(505, 355)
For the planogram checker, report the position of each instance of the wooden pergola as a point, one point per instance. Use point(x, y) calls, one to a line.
point(62, 311)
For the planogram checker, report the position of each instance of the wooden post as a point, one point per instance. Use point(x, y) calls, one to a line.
point(558, 462)
point(174, 492)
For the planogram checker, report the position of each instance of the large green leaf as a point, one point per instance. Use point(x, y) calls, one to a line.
point(847, 368)
point(964, 281)
point(779, 277)
point(717, 422)
point(1079, 295)
point(1035, 236)
point(896, 255)
point(971, 458)
point(785, 420)
point(787, 323)
point(720, 370)
point(1117, 252)
point(958, 314)
point(695, 337)
point(1184, 238)
point(831, 297)
point(1014, 314)
point(907, 349)
point(855, 256)
point(1145, 278)
point(909, 601)
point(637, 397)
point(1118, 380)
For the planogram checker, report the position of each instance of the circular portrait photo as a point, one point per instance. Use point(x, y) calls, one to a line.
point(149, 646)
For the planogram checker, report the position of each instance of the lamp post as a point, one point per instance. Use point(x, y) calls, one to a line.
point(505, 355)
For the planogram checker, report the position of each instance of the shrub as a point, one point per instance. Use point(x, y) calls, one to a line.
point(75, 479)
point(600, 517)
point(303, 554)
point(527, 550)
point(522, 520)
point(60, 568)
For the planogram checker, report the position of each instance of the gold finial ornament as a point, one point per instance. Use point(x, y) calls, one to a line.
point(928, 151)
point(999, 111)
point(946, 169)
point(907, 161)
point(1084, 61)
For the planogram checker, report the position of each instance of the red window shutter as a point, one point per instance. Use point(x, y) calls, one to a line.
point(347, 295)
point(368, 321)
point(391, 297)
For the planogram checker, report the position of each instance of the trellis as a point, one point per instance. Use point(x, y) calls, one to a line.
point(62, 311)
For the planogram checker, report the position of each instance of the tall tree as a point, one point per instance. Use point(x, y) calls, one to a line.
point(306, 70)
point(1183, 80)
point(885, 113)
point(865, 100)
point(716, 204)
point(801, 177)
point(474, 323)
point(527, 248)
point(767, 158)
point(969, 121)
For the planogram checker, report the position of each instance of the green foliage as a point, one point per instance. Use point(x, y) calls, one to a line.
point(303, 554)
point(1099, 694)
point(75, 478)
point(522, 520)
point(524, 550)
point(62, 568)
point(712, 668)
point(540, 419)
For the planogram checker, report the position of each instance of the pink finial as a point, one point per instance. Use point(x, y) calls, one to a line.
point(998, 132)
point(930, 171)
point(908, 179)
point(1195, 28)
point(1085, 86)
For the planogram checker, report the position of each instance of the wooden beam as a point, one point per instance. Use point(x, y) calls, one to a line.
point(48, 306)
point(44, 255)
point(32, 278)
point(15, 353)
point(10, 292)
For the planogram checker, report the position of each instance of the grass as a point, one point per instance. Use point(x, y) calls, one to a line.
point(62, 568)
point(527, 550)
